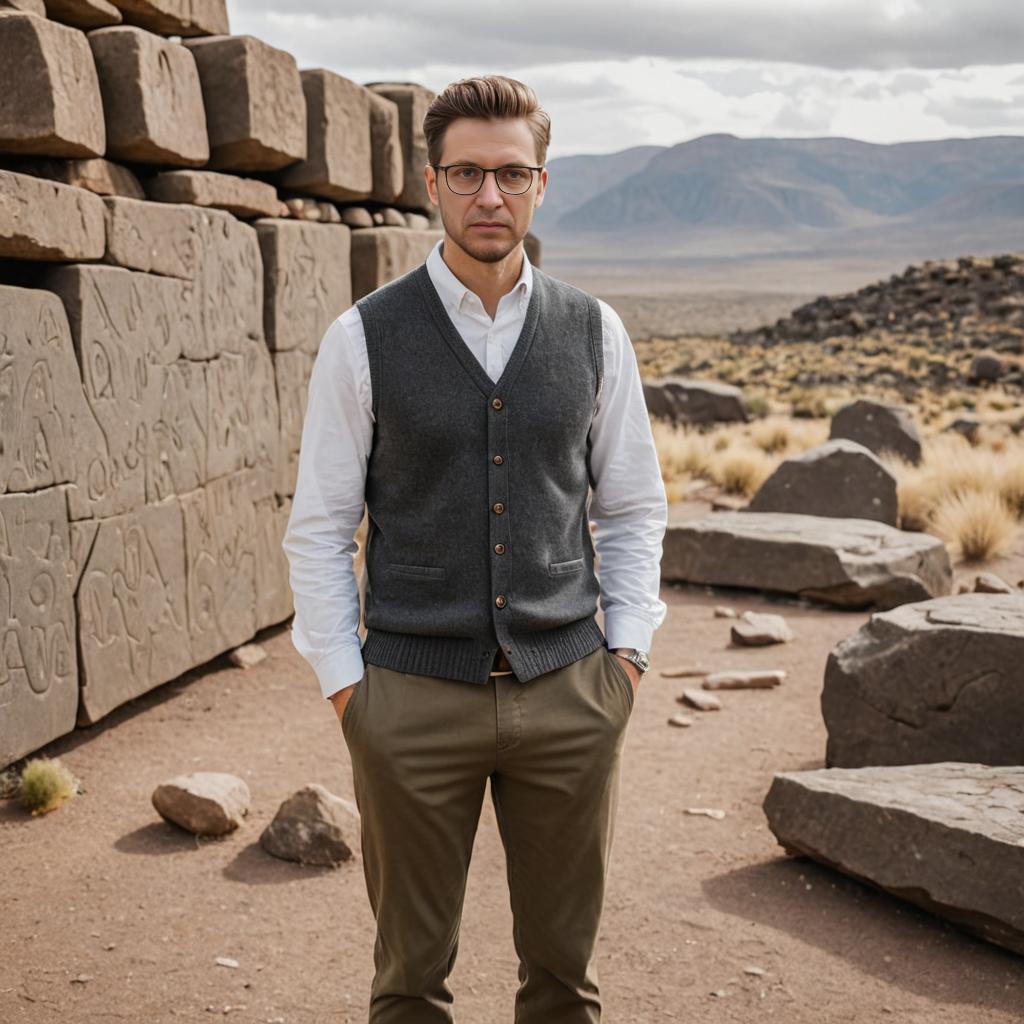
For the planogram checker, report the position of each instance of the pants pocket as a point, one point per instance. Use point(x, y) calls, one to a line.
point(621, 674)
point(346, 715)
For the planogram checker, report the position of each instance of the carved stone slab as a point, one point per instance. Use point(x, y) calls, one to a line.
point(123, 325)
point(176, 17)
point(338, 162)
point(244, 197)
point(38, 659)
point(44, 220)
point(852, 563)
point(152, 99)
point(307, 280)
point(292, 370)
point(386, 140)
point(255, 106)
point(381, 254)
point(96, 174)
point(948, 837)
point(177, 431)
point(939, 680)
point(412, 101)
point(132, 619)
point(51, 95)
point(221, 552)
point(209, 248)
point(273, 591)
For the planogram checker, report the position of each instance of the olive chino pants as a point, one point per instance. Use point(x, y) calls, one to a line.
point(423, 748)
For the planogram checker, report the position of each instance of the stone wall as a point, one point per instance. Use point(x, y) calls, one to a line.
point(182, 214)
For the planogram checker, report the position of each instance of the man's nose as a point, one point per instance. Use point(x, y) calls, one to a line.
point(490, 194)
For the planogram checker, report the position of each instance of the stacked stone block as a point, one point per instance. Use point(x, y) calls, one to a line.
point(171, 253)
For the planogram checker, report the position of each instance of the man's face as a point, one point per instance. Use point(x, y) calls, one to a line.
point(489, 224)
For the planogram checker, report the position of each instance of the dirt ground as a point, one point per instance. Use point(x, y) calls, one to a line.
point(109, 914)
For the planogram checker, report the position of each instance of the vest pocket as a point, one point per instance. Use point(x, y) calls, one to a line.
point(429, 572)
point(559, 568)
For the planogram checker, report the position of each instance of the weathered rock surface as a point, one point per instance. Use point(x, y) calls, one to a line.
point(686, 400)
point(39, 683)
point(880, 426)
point(852, 563)
point(412, 101)
point(51, 95)
point(356, 217)
point(939, 680)
point(152, 100)
point(205, 803)
point(839, 478)
point(177, 17)
point(948, 837)
point(244, 197)
point(313, 826)
point(338, 163)
point(307, 280)
point(84, 14)
point(255, 107)
point(44, 220)
point(95, 174)
point(133, 625)
point(382, 254)
point(386, 142)
point(758, 629)
point(292, 370)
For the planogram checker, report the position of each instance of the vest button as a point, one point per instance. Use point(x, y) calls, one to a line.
point(499, 549)
point(498, 507)
point(497, 460)
point(500, 600)
point(496, 403)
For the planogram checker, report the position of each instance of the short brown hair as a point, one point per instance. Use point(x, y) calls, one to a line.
point(487, 96)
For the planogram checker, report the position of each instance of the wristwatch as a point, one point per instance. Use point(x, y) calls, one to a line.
point(639, 658)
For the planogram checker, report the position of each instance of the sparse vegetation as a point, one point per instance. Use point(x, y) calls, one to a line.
point(45, 784)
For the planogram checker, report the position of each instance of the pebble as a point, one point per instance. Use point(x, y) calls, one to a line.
point(707, 812)
point(700, 699)
point(681, 721)
point(758, 679)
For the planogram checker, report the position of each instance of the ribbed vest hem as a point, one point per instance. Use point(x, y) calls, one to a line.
point(465, 659)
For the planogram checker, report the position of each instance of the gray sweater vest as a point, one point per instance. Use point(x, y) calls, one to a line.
point(477, 491)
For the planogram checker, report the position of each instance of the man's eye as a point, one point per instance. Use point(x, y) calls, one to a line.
point(465, 172)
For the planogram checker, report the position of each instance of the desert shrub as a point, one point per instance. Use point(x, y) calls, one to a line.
point(45, 784)
point(976, 525)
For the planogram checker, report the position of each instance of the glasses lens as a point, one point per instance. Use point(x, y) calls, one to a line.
point(464, 178)
point(514, 179)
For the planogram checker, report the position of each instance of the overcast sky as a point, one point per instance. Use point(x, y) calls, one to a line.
point(664, 71)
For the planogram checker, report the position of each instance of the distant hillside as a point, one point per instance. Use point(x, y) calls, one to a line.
point(829, 193)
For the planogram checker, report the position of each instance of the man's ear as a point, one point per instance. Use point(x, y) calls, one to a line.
point(540, 190)
point(430, 176)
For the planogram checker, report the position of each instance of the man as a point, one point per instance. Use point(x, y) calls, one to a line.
point(485, 412)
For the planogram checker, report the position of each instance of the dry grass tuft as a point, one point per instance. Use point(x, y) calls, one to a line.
point(976, 525)
point(45, 784)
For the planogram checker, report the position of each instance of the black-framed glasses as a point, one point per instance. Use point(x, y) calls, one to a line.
point(467, 179)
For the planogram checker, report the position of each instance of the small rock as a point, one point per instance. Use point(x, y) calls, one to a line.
point(378, 217)
point(757, 629)
point(681, 721)
point(310, 828)
point(328, 213)
point(700, 699)
point(393, 218)
point(757, 679)
point(204, 803)
point(356, 217)
point(225, 961)
point(990, 583)
point(681, 671)
point(247, 655)
point(723, 611)
point(707, 812)
point(417, 221)
point(757, 972)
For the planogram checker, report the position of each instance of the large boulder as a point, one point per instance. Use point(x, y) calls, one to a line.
point(413, 101)
point(386, 140)
point(176, 17)
point(938, 680)
point(853, 563)
point(948, 837)
point(83, 14)
point(880, 426)
point(839, 478)
point(44, 220)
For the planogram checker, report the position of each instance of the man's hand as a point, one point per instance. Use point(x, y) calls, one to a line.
point(341, 698)
point(631, 670)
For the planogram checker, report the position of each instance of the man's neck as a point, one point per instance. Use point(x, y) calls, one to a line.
point(490, 281)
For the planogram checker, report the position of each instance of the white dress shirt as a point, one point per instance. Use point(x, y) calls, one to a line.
point(628, 504)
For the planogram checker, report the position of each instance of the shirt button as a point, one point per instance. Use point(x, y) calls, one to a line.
point(496, 403)
point(498, 507)
point(499, 549)
point(497, 460)
point(500, 600)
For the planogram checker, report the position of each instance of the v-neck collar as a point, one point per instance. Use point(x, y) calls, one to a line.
point(461, 350)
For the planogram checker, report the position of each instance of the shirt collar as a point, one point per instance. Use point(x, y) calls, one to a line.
point(454, 293)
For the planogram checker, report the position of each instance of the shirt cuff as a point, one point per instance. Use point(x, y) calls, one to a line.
point(339, 669)
point(624, 630)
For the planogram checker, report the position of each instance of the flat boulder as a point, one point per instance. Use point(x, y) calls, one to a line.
point(176, 17)
point(686, 400)
point(244, 197)
point(852, 563)
point(937, 680)
point(840, 478)
point(45, 220)
point(948, 837)
point(204, 803)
